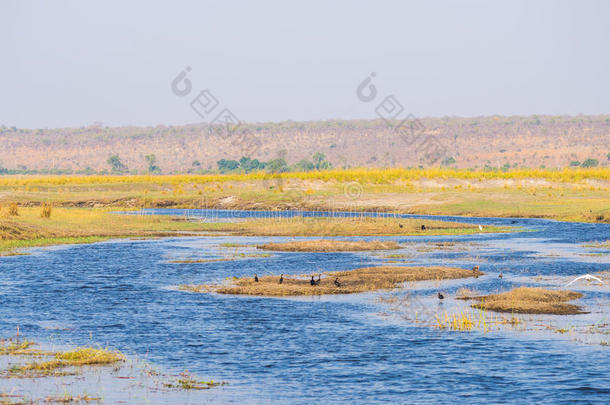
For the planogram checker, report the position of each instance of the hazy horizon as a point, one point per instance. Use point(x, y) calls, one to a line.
point(70, 64)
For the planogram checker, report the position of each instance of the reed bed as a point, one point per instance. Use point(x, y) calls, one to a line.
point(350, 282)
point(531, 300)
point(465, 321)
point(328, 245)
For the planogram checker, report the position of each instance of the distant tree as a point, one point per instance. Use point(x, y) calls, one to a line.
point(303, 166)
point(448, 161)
point(608, 156)
point(590, 163)
point(115, 163)
point(575, 163)
point(196, 163)
point(277, 165)
point(151, 160)
point(320, 162)
point(225, 165)
point(249, 165)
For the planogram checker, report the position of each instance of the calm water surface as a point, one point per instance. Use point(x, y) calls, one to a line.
point(323, 349)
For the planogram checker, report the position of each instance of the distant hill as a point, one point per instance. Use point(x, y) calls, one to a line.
point(552, 141)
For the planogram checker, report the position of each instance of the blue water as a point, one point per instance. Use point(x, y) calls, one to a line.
point(314, 350)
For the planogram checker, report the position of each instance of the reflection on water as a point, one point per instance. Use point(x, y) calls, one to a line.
point(355, 349)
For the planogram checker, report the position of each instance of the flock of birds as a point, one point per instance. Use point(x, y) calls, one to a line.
point(312, 282)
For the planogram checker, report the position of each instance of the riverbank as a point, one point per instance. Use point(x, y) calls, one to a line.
point(569, 195)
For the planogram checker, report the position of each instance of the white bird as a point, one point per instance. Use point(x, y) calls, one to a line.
point(587, 277)
point(480, 228)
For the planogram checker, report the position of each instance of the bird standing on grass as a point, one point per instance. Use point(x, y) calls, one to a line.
point(475, 268)
point(281, 278)
point(312, 281)
point(255, 278)
point(423, 227)
point(440, 296)
point(400, 225)
point(337, 283)
point(318, 280)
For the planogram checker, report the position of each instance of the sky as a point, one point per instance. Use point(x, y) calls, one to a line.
point(75, 63)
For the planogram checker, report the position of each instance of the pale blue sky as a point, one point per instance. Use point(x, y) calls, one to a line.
point(71, 63)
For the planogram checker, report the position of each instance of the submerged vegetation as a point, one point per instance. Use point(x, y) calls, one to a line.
point(329, 246)
point(599, 245)
point(340, 282)
point(235, 256)
point(187, 381)
point(529, 300)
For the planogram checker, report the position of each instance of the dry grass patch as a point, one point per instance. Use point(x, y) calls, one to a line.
point(349, 282)
point(529, 300)
point(326, 245)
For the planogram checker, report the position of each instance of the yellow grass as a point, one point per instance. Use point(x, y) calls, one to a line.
point(529, 300)
point(329, 246)
point(354, 281)
point(375, 176)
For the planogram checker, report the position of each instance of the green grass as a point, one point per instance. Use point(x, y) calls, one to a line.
point(10, 245)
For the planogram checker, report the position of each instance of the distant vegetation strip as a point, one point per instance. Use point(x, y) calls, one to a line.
point(374, 176)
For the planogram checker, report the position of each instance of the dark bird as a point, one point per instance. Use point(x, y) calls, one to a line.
point(423, 227)
point(440, 296)
point(312, 281)
point(400, 225)
point(318, 280)
point(281, 278)
point(337, 283)
point(255, 278)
